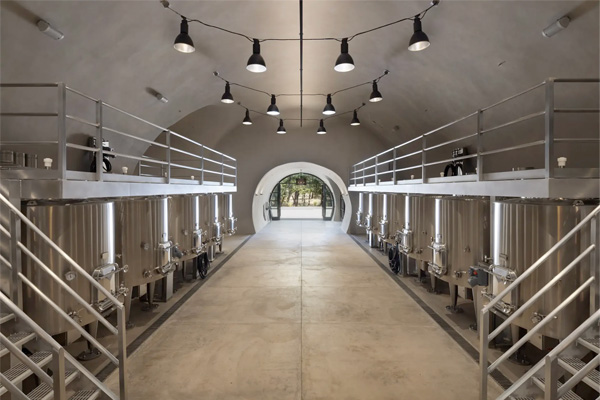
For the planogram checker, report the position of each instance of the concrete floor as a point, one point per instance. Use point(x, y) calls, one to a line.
point(301, 212)
point(301, 312)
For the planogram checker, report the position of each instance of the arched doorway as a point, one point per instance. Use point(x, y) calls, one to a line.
point(301, 196)
point(262, 193)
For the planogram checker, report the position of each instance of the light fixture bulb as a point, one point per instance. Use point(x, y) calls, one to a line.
point(355, 120)
point(183, 41)
point(375, 94)
point(419, 40)
point(273, 109)
point(281, 129)
point(256, 63)
point(227, 98)
point(321, 130)
point(49, 30)
point(557, 26)
point(329, 108)
point(247, 120)
point(344, 62)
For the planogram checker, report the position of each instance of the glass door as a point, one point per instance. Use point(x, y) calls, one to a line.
point(275, 203)
point(327, 203)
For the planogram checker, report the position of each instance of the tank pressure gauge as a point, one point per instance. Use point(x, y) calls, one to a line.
point(70, 275)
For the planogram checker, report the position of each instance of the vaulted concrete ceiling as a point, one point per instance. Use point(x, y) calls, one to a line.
point(481, 52)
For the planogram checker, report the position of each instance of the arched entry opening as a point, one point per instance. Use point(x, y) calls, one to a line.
point(301, 196)
point(340, 200)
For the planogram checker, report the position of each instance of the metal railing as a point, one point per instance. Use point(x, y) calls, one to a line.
point(202, 164)
point(591, 222)
point(409, 162)
point(18, 279)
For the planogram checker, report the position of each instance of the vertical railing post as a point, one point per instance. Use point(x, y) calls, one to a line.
point(222, 169)
point(99, 155)
point(121, 326)
point(202, 165)
point(484, 323)
point(168, 149)
point(549, 130)
point(423, 160)
point(550, 378)
point(61, 126)
point(58, 373)
point(595, 266)
point(376, 170)
point(479, 145)
point(15, 260)
point(394, 167)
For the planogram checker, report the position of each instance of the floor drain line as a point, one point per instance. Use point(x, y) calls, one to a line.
point(498, 376)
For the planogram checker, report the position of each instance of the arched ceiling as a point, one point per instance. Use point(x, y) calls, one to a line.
point(481, 51)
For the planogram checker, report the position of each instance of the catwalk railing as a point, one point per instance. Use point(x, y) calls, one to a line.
point(413, 161)
point(548, 364)
point(189, 162)
point(19, 281)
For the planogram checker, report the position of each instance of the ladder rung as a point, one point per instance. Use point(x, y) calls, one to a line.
point(46, 392)
point(5, 317)
point(86, 395)
point(592, 344)
point(18, 339)
point(570, 395)
point(20, 371)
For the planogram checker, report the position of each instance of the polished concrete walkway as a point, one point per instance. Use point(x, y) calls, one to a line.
point(301, 312)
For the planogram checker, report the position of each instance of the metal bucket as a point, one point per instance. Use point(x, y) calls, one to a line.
point(525, 229)
point(85, 231)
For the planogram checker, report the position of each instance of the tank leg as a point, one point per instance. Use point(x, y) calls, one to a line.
point(127, 303)
point(454, 308)
point(434, 284)
point(150, 294)
point(221, 247)
point(519, 356)
point(91, 352)
point(421, 277)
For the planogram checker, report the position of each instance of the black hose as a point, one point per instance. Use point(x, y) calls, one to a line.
point(202, 264)
point(393, 259)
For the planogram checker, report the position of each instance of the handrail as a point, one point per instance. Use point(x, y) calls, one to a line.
point(46, 337)
point(465, 134)
point(64, 255)
point(541, 260)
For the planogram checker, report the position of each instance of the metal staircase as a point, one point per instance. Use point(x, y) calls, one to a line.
point(58, 374)
point(555, 375)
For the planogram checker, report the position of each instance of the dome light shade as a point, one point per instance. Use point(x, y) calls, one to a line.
point(247, 120)
point(419, 40)
point(227, 98)
point(183, 41)
point(273, 109)
point(256, 63)
point(329, 108)
point(375, 94)
point(355, 121)
point(344, 62)
point(281, 129)
point(321, 130)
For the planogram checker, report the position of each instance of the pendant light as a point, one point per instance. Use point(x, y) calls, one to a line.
point(183, 41)
point(281, 129)
point(375, 94)
point(355, 121)
point(256, 63)
point(419, 40)
point(344, 62)
point(247, 120)
point(227, 98)
point(321, 130)
point(273, 109)
point(329, 108)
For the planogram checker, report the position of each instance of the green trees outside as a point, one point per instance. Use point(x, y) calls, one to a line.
point(301, 195)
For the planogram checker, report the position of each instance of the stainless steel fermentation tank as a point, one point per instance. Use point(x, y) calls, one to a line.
point(370, 222)
point(360, 211)
point(142, 239)
point(461, 238)
point(392, 217)
point(417, 232)
point(222, 221)
point(525, 229)
point(85, 231)
point(188, 233)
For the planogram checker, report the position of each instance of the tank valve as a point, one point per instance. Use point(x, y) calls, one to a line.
point(145, 246)
point(147, 274)
point(536, 318)
point(70, 275)
point(75, 316)
point(459, 274)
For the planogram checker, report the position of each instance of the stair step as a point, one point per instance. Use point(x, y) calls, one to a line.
point(46, 392)
point(86, 395)
point(540, 382)
point(5, 317)
point(20, 371)
point(573, 365)
point(18, 339)
point(592, 344)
